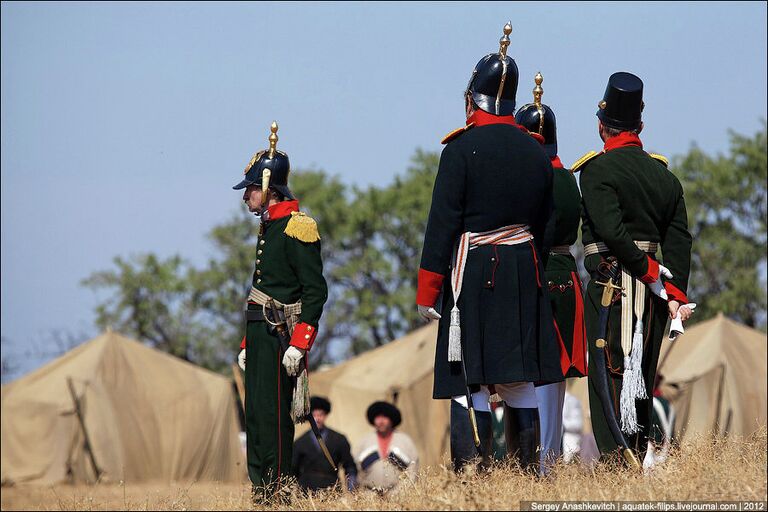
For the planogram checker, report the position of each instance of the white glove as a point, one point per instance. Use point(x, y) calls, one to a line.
point(291, 360)
point(241, 359)
point(657, 287)
point(428, 313)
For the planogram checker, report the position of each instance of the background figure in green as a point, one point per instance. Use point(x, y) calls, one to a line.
point(289, 275)
point(632, 206)
point(562, 278)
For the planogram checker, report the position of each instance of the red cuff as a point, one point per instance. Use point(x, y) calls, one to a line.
point(674, 293)
point(430, 285)
point(242, 343)
point(652, 274)
point(303, 336)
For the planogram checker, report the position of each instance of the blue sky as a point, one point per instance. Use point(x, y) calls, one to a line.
point(124, 125)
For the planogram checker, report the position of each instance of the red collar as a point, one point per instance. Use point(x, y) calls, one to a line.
point(556, 163)
point(282, 209)
point(621, 140)
point(482, 118)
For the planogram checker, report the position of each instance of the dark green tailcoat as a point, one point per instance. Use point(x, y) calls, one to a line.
point(627, 196)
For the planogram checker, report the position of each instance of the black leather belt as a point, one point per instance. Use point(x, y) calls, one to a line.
point(254, 315)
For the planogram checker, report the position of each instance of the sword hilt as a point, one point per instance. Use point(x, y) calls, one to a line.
point(608, 289)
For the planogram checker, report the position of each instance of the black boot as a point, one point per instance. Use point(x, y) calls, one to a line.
point(521, 431)
point(463, 449)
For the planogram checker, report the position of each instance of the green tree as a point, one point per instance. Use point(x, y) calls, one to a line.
point(381, 244)
point(726, 200)
point(371, 244)
point(155, 301)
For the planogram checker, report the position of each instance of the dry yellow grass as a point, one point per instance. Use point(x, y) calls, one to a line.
point(705, 469)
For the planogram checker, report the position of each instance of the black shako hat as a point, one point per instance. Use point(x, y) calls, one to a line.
point(493, 84)
point(386, 409)
point(271, 160)
point(622, 104)
point(538, 118)
point(319, 402)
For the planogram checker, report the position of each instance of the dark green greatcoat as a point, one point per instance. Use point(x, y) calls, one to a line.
point(288, 270)
point(627, 195)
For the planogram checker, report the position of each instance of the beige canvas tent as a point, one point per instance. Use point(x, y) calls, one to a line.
point(400, 372)
point(715, 376)
point(145, 414)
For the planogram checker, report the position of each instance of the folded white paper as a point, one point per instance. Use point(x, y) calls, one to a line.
point(676, 326)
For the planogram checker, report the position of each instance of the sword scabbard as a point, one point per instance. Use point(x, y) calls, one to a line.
point(631, 458)
point(473, 422)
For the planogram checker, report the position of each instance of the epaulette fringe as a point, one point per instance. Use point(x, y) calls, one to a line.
point(302, 227)
point(578, 164)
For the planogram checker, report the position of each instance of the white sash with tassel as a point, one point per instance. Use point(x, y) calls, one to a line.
point(508, 235)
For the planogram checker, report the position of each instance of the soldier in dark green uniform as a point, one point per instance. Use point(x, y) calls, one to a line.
point(562, 277)
point(632, 206)
point(287, 284)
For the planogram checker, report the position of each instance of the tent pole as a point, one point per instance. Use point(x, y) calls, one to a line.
point(721, 385)
point(81, 420)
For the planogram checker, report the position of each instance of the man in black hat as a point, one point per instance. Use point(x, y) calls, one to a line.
point(310, 466)
point(287, 293)
point(385, 454)
point(561, 275)
point(632, 206)
point(485, 233)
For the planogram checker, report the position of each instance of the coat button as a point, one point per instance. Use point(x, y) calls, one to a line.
point(258, 262)
point(258, 272)
point(258, 281)
point(488, 283)
point(493, 259)
point(307, 336)
point(259, 252)
point(261, 242)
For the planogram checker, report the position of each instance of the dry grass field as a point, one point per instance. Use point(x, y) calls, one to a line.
point(705, 469)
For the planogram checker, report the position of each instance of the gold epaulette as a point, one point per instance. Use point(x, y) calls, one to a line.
point(455, 133)
point(578, 164)
point(302, 227)
point(661, 158)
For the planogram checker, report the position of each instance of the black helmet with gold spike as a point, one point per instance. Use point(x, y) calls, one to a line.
point(268, 168)
point(538, 118)
point(493, 84)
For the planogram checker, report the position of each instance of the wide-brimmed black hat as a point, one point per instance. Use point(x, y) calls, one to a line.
point(385, 409)
point(319, 402)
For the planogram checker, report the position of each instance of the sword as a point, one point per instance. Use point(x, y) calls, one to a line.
point(601, 383)
point(279, 323)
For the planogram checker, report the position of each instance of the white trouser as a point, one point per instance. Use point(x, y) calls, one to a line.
point(520, 395)
point(571, 446)
point(479, 400)
point(550, 399)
